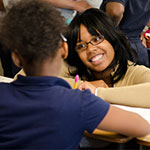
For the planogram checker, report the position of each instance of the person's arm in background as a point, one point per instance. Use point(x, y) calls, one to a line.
point(115, 10)
point(71, 4)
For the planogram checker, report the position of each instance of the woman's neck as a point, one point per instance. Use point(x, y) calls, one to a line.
point(105, 76)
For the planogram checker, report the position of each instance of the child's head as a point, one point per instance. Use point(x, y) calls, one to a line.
point(97, 23)
point(32, 29)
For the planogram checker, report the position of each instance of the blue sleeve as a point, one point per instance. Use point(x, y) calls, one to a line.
point(93, 110)
point(103, 5)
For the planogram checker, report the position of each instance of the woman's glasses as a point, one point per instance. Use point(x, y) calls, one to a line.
point(94, 41)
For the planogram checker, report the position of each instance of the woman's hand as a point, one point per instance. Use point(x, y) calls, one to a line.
point(87, 85)
point(99, 83)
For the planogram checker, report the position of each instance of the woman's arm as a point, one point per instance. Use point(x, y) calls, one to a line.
point(135, 95)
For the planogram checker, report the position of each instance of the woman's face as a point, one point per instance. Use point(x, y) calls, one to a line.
point(95, 57)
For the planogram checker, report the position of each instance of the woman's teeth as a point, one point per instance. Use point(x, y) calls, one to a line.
point(96, 58)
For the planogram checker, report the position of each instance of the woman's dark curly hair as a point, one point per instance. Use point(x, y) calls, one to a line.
point(32, 27)
point(97, 21)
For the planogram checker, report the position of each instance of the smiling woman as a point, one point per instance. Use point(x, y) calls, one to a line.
point(97, 56)
point(100, 53)
point(97, 61)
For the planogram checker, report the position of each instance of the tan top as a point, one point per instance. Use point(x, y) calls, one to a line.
point(132, 90)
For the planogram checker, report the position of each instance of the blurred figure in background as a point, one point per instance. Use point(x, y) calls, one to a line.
point(9, 68)
point(131, 16)
point(69, 8)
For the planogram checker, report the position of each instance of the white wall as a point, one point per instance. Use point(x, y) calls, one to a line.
point(95, 3)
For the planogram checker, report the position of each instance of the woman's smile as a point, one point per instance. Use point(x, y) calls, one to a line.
point(97, 59)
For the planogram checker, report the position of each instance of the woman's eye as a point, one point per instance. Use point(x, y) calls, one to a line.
point(96, 39)
point(81, 46)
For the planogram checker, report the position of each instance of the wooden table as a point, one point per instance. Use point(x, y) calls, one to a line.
point(112, 137)
point(144, 142)
point(108, 136)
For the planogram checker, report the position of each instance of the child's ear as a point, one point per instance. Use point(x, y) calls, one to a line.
point(64, 50)
point(16, 59)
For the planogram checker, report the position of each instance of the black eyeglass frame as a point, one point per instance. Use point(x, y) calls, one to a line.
point(86, 44)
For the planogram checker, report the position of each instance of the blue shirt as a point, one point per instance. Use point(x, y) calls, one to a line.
point(45, 113)
point(135, 17)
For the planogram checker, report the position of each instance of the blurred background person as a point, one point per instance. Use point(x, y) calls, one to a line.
point(9, 68)
point(131, 16)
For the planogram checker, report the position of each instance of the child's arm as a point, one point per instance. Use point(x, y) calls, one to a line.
point(124, 122)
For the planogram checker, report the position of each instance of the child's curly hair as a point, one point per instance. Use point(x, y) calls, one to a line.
point(32, 28)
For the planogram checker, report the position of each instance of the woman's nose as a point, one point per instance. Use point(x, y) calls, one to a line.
point(91, 47)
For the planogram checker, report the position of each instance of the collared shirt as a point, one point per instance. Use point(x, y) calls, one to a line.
point(45, 113)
